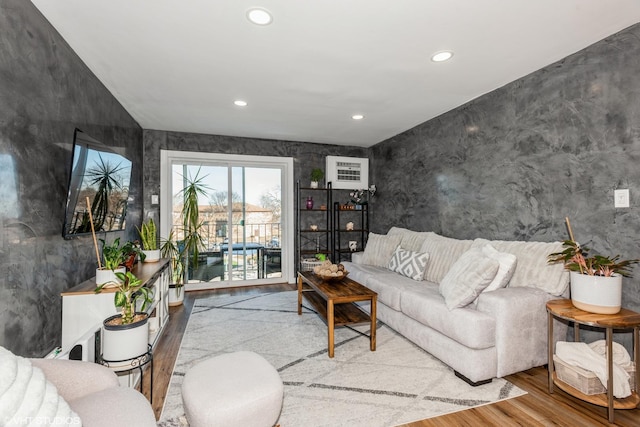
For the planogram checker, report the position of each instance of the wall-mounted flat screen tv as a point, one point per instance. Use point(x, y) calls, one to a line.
point(101, 175)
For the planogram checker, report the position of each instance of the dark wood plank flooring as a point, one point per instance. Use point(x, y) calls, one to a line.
point(537, 408)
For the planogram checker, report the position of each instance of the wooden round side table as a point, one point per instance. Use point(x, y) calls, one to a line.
point(625, 319)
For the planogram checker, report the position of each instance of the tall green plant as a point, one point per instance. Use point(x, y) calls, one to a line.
point(169, 249)
point(191, 224)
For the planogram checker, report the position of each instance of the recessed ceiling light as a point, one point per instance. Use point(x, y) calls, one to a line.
point(240, 103)
point(442, 56)
point(357, 117)
point(259, 16)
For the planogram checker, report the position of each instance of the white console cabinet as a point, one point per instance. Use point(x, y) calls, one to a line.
point(83, 310)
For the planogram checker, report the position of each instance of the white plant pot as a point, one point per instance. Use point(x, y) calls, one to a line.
point(152, 256)
point(124, 342)
point(314, 184)
point(108, 276)
point(176, 295)
point(596, 294)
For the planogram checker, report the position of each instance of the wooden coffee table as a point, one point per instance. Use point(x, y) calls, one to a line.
point(334, 302)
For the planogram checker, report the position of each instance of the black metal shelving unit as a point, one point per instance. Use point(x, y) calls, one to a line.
point(341, 236)
point(311, 242)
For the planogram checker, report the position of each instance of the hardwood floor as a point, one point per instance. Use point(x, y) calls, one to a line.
point(537, 408)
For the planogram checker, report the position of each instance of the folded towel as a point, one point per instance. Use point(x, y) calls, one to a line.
point(580, 354)
point(27, 398)
point(621, 356)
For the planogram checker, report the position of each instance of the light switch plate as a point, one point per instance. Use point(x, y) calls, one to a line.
point(154, 199)
point(621, 198)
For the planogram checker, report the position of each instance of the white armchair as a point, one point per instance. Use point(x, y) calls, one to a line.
point(94, 393)
point(67, 392)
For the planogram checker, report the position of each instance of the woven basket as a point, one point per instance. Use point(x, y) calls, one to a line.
point(586, 381)
point(309, 263)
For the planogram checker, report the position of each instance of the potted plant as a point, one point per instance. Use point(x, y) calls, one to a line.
point(149, 241)
point(596, 281)
point(316, 176)
point(170, 249)
point(126, 334)
point(113, 258)
point(184, 253)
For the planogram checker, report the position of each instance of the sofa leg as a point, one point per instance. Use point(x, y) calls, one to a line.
point(471, 383)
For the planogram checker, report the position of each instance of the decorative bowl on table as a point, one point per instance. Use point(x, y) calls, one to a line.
point(330, 278)
point(330, 272)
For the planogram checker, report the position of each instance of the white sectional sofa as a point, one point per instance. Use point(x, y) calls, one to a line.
point(493, 321)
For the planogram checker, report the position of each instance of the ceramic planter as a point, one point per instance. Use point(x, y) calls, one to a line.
point(176, 295)
point(596, 294)
point(108, 276)
point(124, 342)
point(152, 256)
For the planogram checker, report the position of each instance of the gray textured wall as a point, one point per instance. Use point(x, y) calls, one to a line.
point(513, 163)
point(46, 92)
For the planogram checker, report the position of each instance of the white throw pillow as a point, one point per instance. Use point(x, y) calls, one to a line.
point(468, 276)
point(409, 263)
point(380, 249)
point(507, 265)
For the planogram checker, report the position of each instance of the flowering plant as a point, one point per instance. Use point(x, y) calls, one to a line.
point(575, 258)
point(360, 197)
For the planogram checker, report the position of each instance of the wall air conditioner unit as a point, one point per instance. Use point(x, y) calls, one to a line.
point(348, 173)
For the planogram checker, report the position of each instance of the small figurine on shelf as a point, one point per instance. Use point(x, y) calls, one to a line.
point(349, 226)
point(353, 245)
point(313, 227)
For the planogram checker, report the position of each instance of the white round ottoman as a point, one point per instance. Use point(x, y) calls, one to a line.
point(235, 389)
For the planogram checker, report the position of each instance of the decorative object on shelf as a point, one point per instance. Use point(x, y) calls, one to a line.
point(323, 207)
point(349, 226)
point(126, 335)
point(309, 202)
point(316, 176)
point(596, 281)
point(149, 241)
point(361, 197)
point(313, 227)
point(353, 245)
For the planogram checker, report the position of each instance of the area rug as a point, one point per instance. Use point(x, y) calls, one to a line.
point(396, 384)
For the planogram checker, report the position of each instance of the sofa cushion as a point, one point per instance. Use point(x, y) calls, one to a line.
point(443, 252)
point(507, 264)
point(409, 263)
point(116, 406)
point(379, 249)
point(411, 240)
point(388, 285)
point(532, 270)
point(469, 327)
point(468, 276)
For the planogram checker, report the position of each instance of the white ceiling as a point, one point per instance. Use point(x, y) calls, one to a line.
point(179, 65)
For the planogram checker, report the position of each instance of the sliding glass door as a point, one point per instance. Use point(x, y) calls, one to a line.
point(246, 235)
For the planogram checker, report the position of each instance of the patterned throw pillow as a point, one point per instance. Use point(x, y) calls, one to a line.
point(409, 263)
